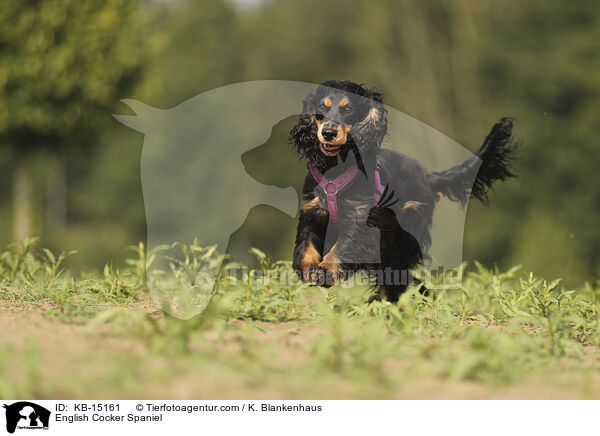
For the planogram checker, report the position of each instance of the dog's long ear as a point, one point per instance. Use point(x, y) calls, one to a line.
point(304, 133)
point(369, 133)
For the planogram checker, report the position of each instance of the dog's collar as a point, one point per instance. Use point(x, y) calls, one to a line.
point(332, 187)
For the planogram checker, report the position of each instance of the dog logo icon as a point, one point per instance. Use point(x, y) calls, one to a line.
point(26, 415)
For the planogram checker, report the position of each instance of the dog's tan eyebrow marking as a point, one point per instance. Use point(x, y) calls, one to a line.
point(344, 102)
point(327, 102)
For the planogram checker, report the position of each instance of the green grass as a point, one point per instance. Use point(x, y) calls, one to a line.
point(503, 334)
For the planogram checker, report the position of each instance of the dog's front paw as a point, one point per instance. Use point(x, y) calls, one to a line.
point(305, 274)
point(321, 276)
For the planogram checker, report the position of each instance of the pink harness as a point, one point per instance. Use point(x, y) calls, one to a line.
point(332, 187)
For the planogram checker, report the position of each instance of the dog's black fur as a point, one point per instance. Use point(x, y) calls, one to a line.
point(396, 229)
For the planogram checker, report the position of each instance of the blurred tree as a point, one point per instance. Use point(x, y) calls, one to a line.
point(62, 65)
point(540, 60)
point(195, 46)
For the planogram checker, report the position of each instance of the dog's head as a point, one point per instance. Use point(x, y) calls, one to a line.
point(338, 117)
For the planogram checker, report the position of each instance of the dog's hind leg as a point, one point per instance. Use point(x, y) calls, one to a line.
point(391, 293)
point(392, 290)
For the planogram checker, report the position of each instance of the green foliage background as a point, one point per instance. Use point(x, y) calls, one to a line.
point(456, 65)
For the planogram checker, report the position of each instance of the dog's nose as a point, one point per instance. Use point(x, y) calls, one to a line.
point(329, 134)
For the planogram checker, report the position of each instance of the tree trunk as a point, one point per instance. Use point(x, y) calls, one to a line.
point(56, 195)
point(22, 193)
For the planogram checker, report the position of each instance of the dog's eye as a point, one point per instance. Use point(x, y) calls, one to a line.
point(322, 107)
point(348, 110)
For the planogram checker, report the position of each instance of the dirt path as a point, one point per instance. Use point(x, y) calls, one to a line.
point(42, 357)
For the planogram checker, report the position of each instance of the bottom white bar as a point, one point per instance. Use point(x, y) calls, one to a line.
point(291, 417)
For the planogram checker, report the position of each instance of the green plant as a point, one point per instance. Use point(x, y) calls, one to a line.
point(264, 329)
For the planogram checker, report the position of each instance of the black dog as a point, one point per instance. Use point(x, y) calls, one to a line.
point(367, 208)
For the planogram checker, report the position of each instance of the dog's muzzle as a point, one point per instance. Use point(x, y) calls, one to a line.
point(331, 138)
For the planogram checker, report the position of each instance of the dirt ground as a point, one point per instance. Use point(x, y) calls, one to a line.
point(51, 359)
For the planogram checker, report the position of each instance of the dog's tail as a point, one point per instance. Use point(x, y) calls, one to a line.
point(477, 174)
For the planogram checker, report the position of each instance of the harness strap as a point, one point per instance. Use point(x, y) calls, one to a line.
point(332, 187)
